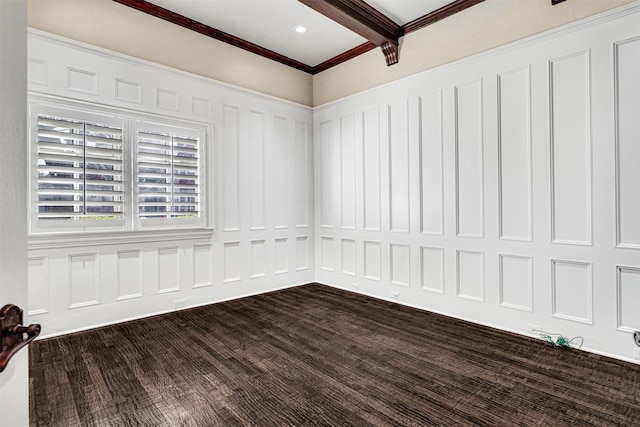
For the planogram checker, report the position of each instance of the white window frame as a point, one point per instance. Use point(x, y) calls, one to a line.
point(130, 227)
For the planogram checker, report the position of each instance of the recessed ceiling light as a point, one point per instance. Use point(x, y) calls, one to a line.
point(299, 29)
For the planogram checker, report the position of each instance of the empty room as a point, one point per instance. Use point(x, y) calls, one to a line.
point(320, 213)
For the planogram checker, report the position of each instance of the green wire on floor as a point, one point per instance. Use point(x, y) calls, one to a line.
point(559, 341)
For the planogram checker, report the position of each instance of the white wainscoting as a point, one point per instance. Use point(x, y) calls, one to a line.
point(260, 197)
point(502, 188)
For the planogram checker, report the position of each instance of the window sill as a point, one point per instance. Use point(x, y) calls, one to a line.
point(74, 240)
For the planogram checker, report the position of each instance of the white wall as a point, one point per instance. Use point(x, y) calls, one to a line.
point(501, 188)
point(14, 380)
point(260, 197)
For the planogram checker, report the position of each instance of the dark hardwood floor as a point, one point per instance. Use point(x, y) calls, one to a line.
point(318, 356)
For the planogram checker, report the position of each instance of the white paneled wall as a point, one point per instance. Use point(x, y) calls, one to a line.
point(259, 197)
point(502, 188)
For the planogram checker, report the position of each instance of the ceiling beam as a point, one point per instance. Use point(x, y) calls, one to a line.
point(364, 20)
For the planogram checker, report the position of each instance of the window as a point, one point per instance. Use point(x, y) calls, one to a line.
point(167, 173)
point(94, 171)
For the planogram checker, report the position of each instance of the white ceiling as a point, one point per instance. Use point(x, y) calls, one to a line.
point(269, 23)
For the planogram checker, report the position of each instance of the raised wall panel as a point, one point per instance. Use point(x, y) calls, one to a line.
point(167, 99)
point(469, 160)
point(82, 81)
point(514, 152)
point(83, 280)
point(258, 259)
point(201, 106)
point(168, 269)
point(348, 172)
point(571, 149)
point(129, 274)
point(628, 292)
point(399, 167)
point(400, 264)
point(327, 253)
point(328, 174)
point(572, 290)
point(301, 178)
point(470, 275)
point(627, 66)
point(231, 262)
point(38, 285)
point(128, 91)
point(431, 173)
point(257, 190)
point(372, 260)
point(38, 72)
point(516, 282)
point(371, 168)
point(302, 253)
point(348, 252)
point(230, 181)
point(281, 170)
point(282, 255)
point(202, 265)
point(432, 269)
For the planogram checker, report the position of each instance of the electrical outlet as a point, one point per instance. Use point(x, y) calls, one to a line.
point(533, 328)
point(355, 286)
point(179, 303)
point(636, 353)
point(636, 338)
point(395, 295)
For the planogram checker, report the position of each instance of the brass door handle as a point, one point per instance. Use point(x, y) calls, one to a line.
point(14, 335)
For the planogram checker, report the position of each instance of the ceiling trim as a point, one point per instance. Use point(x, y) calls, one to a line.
point(371, 22)
point(183, 21)
point(364, 20)
point(438, 15)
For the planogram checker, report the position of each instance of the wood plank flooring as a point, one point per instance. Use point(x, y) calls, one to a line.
point(318, 356)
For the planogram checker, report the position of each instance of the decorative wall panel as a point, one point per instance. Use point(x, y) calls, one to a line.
point(231, 258)
point(302, 253)
point(516, 282)
point(82, 81)
point(282, 255)
point(470, 275)
point(572, 290)
point(303, 187)
point(257, 175)
point(432, 269)
point(431, 160)
point(328, 174)
point(348, 252)
point(627, 97)
point(348, 172)
point(372, 260)
point(167, 99)
point(327, 253)
point(371, 168)
point(571, 149)
point(202, 265)
point(83, 280)
point(128, 91)
point(279, 157)
point(469, 160)
point(400, 264)
point(514, 152)
point(258, 259)
point(200, 106)
point(230, 186)
point(399, 166)
point(38, 275)
point(168, 269)
point(129, 274)
point(628, 292)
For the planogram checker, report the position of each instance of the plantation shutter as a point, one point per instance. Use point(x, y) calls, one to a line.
point(167, 175)
point(80, 169)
